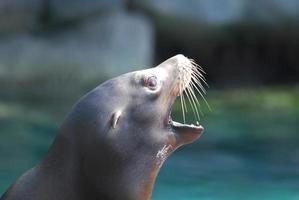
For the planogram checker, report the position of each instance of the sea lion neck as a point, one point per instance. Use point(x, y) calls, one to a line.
point(99, 176)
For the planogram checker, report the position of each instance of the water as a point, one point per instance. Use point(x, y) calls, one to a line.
point(247, 152)
point(223, 174)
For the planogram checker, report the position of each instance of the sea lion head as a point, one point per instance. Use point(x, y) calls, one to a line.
point(136, 107)
point(127, 121)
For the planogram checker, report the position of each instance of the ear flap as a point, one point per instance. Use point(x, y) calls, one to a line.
point(115, 118)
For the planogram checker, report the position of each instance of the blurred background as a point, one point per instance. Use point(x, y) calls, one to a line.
point(54, 51)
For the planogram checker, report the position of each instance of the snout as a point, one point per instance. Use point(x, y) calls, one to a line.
point(174, 62)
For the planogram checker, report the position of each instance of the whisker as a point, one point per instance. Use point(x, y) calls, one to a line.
point(199, 72)
point(202, 96)
point(199, 84)
point(183, 98)
point(197, 65)
point(189, 99)
point(193, 104)
point(201, 78)
point(182, 104)
point(195, 97)
point(193, 94)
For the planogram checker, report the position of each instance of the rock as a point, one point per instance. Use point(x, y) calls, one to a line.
point(214, 12)
point(204, 11)
point(76, 9)
point(98, 49)
point(19, 15)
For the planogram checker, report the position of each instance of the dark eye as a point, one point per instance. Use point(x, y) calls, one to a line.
point(151, 82)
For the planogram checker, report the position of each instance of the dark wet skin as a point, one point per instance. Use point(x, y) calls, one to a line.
point(113, 143)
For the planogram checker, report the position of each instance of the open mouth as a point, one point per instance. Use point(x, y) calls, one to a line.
point(182, 128)
point(185, 133)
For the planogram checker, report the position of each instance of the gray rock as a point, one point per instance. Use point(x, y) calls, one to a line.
point(74, 9)
point(19, 15)
point(99, 49)
point(207, 11)
point(215, 12)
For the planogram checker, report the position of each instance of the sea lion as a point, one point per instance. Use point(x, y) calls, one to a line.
point(114, 141)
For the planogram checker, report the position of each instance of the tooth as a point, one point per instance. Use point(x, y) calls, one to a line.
point(197, 123)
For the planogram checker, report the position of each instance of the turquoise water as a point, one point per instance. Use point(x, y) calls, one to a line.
point(247, 152)
point(222, 174)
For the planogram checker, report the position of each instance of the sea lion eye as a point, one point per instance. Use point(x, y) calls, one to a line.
point(151, 82)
